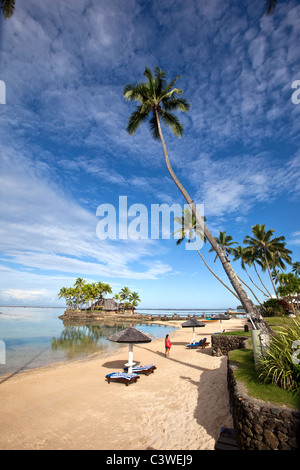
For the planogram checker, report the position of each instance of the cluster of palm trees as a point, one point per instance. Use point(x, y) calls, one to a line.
point(85, 295)
point(262, 251)
point(129, 300)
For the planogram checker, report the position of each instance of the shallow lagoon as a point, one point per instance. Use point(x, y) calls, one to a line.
point(36, 337)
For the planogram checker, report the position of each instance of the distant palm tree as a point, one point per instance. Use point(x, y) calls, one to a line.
point(134, 299)
point(225, 242)
point(8, 7)
point(296, 268)
point(125, 292)
point(239, 253)
point(264, 247)
point(190, 231)
point(156, 100)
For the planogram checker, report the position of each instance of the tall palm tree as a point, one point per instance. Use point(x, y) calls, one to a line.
point(278, 260)
point(252, 260)
point(225, 242)
point(8, 7)
point(190, 231)
point(125, 293)
point(240, 253)
point(296, 268)
point(156, 100)
point(134, 299)
point(264, 247)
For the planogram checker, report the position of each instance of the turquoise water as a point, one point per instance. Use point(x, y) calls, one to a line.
point(35, 337)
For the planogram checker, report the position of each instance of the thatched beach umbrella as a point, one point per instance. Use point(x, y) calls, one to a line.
point(131, 336)
point(221, 317)
point(194, 323)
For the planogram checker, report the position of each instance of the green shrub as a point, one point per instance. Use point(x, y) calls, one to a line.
point(279, 366)
point(275, 307)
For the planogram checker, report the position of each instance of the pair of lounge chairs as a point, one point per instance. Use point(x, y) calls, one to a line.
point(200, 344)
point(126, 378)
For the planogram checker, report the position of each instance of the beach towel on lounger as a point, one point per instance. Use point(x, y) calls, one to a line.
point(121, 375)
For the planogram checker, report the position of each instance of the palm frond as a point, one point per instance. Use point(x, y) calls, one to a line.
point(8, 7)
point(136, 92)
point(175, 104)
point(168, 87)
point(171, 121)
point(154, 128)
point(136, 119)
point(270, 6)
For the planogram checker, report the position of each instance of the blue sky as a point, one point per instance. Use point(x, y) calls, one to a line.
point(65, 149)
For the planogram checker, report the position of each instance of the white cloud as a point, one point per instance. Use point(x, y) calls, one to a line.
point(44, 230)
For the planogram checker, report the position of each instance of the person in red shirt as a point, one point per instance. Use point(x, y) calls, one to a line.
point(168, 345)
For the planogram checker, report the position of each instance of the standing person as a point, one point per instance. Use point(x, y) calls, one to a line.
point(168, 345)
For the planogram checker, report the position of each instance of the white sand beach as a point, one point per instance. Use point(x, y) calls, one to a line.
point(181, 406)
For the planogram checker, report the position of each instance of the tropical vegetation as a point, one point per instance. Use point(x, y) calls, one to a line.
point(85, 295)
point(263, 252)
point(156, 100)
point(281, 366)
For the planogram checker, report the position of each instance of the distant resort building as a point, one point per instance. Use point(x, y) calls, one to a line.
point(109, 305)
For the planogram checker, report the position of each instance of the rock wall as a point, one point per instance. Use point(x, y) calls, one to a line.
point(221, 344)
point(260, 425)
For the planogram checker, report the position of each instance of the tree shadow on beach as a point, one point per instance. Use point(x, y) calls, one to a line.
point(24, 367)
point(212, 410)
point(170, 358)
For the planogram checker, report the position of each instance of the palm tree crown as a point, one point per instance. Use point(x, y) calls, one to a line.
point(264, 248)
point(155, 96)
point(226, 242)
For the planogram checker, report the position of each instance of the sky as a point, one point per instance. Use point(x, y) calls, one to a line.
point(65, 151)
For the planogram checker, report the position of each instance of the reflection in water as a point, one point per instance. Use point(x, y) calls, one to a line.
point(85, 339)
point(35, 337)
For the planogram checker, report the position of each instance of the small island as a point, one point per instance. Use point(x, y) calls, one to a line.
point(86, 301)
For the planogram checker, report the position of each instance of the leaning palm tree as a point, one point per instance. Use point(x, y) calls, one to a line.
point(240, 253)
point(157, 99)
point(8, 7)
point(190, 231)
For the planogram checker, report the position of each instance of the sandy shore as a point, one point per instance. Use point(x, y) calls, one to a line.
point(181, 406)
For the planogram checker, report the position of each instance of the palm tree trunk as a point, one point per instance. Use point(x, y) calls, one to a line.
point(220, 280)
point(243, 282)
point(268, 266)
point(270, 295)
point(254, 282)
point(242, 294)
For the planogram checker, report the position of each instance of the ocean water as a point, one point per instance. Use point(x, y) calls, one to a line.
point(35, 337)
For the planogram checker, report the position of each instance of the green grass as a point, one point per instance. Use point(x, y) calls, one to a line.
point(273, 322)
point(247, 373)
point(236, 333)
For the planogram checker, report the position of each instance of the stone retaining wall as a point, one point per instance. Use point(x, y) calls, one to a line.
point(260, 425)
point(221, 344)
